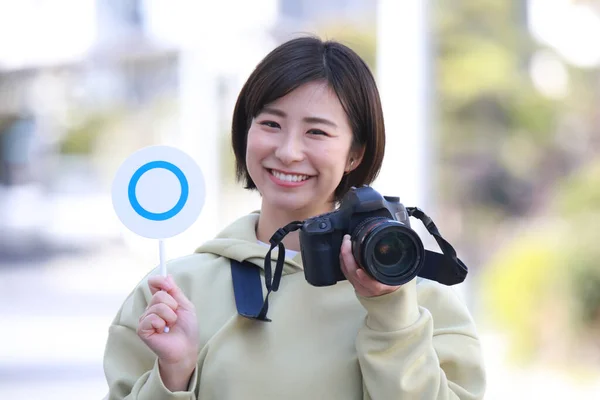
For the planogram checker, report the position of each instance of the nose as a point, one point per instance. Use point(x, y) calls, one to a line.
point(290, 149)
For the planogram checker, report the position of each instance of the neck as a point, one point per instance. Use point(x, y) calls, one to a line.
point(272, 219)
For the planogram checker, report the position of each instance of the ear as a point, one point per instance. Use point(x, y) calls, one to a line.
point(354, 159)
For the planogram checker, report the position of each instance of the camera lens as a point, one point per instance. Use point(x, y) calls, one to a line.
point(388, 250)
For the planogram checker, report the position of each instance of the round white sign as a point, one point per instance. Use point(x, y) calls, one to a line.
point(158, 192)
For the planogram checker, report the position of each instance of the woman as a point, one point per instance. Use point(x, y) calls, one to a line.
point(307, 126)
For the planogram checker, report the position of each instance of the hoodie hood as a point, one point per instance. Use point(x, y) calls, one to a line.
point(238, 241)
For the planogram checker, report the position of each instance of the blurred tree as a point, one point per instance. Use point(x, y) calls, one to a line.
point(543, 288)
point(507, 155)
point(578, 201)
point(494, 126)
point(519, 284)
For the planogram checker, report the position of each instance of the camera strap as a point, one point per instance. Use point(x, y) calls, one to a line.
point(444, 268)
point(247, 287)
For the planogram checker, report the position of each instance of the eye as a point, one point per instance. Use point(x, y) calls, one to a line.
point(318, 132)
point(270, 124)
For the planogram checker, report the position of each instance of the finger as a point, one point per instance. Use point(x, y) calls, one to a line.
point(363, 283)
point(346, 254)
point(157, 283)
point(177, 294)
point(163, 297)
point(347, 267)
point(151, 324)
point(351, 275)
point(163, 311)
point(344, 268)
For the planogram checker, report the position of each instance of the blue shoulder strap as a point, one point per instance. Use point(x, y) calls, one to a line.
point(247, 289)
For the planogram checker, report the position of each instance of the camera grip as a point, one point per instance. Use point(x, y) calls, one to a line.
point(320, 258)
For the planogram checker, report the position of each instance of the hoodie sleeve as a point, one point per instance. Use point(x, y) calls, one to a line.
point(419, 344)
point(130, 367)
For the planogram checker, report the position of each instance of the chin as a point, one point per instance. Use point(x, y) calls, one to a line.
point(297, 207)
point(288, 203)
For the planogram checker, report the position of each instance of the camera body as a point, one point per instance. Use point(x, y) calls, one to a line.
point(383, 244)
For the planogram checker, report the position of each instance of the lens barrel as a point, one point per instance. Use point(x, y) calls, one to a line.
point(388, 250)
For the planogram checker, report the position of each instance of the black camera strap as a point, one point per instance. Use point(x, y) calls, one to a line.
point(247, 286)
point(444, 268)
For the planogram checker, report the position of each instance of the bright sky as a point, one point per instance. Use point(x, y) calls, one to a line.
point(42, 32)
point(571, 28)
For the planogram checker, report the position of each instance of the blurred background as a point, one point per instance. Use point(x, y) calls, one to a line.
point(493, 120)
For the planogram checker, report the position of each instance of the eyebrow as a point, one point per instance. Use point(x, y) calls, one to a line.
point(314, 120)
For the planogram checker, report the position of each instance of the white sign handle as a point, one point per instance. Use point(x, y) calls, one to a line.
point(163, 265)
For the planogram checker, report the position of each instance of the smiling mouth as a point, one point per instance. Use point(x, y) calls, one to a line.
point(288, 177)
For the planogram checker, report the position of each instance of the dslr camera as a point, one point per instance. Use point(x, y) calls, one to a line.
point(383, 243)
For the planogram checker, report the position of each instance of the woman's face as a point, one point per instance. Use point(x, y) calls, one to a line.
point(298, 150)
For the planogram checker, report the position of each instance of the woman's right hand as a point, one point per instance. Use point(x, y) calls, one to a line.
point(177, 350)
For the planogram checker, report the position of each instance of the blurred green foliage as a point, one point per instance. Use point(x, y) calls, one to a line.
point(511, 166)
point(518, 283)
point(579, 196)
point(578, 200)
point(485, 97)
point(548, 276)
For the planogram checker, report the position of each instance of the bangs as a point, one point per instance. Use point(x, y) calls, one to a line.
point(285, 75)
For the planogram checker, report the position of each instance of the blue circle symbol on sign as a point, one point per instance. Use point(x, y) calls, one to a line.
point(152, 192)
point(167, 214)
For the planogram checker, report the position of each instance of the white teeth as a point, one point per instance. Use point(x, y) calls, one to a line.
point(289, 178)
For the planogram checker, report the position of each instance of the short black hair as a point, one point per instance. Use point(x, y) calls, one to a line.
point(307, 59)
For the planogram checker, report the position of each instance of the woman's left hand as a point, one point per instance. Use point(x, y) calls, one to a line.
point(363, 283)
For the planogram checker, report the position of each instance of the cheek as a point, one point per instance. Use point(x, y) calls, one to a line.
point(253, 145)
point(257, 149)
point(334, 160)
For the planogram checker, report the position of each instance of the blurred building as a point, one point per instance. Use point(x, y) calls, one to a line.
point(302, 12)
point(79, 65)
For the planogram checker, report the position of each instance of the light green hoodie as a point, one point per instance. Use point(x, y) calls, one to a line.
point(328, 343)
